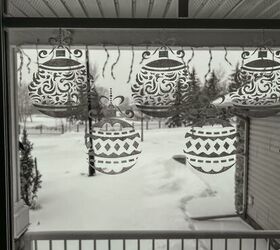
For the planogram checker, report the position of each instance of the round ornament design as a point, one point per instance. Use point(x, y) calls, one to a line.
point(259, 93)
point(58, 85)
point(116, 146)
point(211, 148)
point(158, 82)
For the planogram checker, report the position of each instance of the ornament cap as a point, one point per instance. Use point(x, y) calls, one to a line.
point(162, 53)
point(262, 54)
point(60, 53)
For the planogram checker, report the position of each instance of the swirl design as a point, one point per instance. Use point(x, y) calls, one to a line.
point(245, 54)
point(259, 88)
point(57, 88)
point(42, 53)
point(159, 88)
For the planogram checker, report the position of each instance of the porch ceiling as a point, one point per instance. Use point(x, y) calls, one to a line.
point(255, 9)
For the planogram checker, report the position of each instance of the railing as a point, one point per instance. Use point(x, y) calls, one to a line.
point(152, 240)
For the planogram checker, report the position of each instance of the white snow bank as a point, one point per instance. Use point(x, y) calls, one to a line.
point(148, 196)
point(158, 193)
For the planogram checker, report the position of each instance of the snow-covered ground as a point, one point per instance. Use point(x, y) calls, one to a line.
point(158, 193)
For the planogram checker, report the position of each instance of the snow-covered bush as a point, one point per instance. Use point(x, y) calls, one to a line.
point(30, 177)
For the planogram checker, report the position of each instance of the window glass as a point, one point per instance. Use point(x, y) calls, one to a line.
point(109, 170)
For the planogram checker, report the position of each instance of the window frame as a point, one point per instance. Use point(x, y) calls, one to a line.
point(6, 126)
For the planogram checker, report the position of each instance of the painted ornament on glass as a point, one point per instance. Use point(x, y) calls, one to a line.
point(259, 93)
point(210, 147)
point(115, 143)
point(60, 82)
point(156, 87)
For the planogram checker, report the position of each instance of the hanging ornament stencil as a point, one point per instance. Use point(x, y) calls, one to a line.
point(259, 94)
point(155, 89)
point(57, 86)
point(116, 144)
point(210, 146)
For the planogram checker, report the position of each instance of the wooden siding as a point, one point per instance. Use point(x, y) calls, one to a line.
point(264, 172)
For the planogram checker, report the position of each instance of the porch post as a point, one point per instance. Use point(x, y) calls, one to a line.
point(91, 170)
point(6, 204)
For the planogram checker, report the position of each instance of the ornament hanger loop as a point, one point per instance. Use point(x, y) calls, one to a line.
point(180, 53)
point(62, 41)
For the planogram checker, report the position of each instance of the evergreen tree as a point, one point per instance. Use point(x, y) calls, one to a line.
point(88, 101)
point(30, 177)
point(234, 84)
point(192, 101)
point(194, 82)
point(211, 89)
point(177, 120)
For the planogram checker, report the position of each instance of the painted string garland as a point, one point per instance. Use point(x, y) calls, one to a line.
point(155, 89)
point(259, 94)
point(211, 147)
point(116, 144)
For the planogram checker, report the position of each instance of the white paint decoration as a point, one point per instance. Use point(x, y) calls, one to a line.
point(116, 146)
point(157, 84)
point(211, 148)
point(259, 93)
point(57, 86)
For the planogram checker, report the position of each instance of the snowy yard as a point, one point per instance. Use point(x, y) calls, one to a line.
point(158, 193)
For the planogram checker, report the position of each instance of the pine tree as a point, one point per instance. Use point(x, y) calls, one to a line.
point(211, 89)
point(234, 84)
point(191, 101)
point(36, 182)
point(194, 82)
point(29, 175)
point(177, 120)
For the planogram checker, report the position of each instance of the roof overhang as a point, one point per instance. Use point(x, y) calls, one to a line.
point(137, 32)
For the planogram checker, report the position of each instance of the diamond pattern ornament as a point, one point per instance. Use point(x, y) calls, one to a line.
point(155, 90)
point(119, 148)
point(216, 152)
point(259, 93)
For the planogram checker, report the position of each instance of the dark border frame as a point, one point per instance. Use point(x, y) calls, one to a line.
point(183, 8)
point(6, 220)
point(6, 200)
point(140, 23)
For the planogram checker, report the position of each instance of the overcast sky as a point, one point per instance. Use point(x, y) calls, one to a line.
point(121, 71)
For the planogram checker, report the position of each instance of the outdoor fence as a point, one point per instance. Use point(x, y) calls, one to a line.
point(75, 127)
point(149, 124)
point(59, 129)
point(152, 240)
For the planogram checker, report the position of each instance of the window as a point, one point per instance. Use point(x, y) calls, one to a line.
point(137, 172)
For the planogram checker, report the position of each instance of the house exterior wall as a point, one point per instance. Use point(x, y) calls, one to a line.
point(264, 172)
